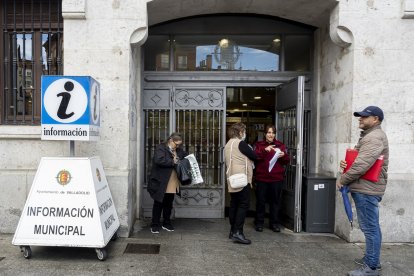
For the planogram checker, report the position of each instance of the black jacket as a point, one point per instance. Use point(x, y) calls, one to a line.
point(162, 167)
point(183, 169)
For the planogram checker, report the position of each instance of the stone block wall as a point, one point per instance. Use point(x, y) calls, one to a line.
point(376, 69)
point(97, 42)
point(104, 51)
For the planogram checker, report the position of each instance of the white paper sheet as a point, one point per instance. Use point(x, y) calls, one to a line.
point(272, 162)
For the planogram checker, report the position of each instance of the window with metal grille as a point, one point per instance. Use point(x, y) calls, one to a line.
point(32, 46)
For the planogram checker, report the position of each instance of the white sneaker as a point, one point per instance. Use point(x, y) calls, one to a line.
point(362, 262)
point(168, 227)
point(155, 229)
point(364, 271)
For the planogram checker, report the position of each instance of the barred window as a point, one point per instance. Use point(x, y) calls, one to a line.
point(32, 46)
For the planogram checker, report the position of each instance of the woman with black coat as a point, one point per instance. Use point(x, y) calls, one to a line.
point(164, 183)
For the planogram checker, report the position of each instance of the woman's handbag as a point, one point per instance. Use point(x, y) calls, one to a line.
point(183, 170)
point(238, 180)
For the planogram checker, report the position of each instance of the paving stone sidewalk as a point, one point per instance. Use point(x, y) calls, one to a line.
point(201, 247)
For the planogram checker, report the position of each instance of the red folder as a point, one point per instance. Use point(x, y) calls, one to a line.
point(373, 173)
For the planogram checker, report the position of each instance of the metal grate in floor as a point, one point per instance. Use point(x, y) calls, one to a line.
point(140, 248)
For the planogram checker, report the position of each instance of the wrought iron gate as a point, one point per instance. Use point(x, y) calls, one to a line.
point(198, 113)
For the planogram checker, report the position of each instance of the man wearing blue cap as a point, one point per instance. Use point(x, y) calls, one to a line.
point(372, 144)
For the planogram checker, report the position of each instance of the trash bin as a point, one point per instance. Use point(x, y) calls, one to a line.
point(318, 203)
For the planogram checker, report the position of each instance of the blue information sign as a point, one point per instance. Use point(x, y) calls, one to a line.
point(70, 108)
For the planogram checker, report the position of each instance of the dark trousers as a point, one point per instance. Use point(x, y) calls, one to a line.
point(271, 192)
point(239, 205)
point(164, 207)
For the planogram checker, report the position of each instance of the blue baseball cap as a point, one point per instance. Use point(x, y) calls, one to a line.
point(371, 111)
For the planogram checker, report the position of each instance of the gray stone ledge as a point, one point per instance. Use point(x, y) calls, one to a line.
point(74, 9)
point(20, 132)
point(407, 9)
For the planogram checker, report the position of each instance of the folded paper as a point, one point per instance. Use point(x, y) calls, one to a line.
point(373, 173)
point(273, 161)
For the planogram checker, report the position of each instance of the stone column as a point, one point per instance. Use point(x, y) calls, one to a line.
point(102, 39)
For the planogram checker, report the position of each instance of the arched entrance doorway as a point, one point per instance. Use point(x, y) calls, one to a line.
point(202, 74)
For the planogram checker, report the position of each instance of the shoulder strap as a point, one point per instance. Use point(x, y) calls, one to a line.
point(231, 153)
point(231, 157)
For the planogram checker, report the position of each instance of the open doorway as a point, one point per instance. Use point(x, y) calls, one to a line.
point(256, 108)
point(284, 106)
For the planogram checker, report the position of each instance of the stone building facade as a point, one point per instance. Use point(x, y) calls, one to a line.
point(362, 55)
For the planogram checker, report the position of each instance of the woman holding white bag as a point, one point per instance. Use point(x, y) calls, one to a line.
point(239, 158)
point(164, 183)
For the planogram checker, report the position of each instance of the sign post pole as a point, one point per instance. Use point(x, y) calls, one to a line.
point(72, 148)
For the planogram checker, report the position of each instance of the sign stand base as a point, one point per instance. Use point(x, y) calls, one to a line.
point(69, 204)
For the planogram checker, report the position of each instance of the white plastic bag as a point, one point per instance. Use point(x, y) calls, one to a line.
point(195, 170)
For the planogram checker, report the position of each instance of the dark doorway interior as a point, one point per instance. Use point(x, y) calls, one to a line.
point(255, 107)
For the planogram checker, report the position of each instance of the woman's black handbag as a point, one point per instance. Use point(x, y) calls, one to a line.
point(183, 169)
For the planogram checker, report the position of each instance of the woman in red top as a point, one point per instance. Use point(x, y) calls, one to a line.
point(269, 178)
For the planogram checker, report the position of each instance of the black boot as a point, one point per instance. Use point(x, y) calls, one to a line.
point(239, 237)
point(275, 228)
point(231, 232)
point(258, 228)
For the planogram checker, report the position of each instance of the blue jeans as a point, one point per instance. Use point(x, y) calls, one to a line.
point(368, 218)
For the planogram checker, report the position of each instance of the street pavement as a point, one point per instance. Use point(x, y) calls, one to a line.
point(202, 247)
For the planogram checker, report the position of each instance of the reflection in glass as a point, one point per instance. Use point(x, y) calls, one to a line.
point(227, 53)
point(28, 53)
point(23, 83)
point(297, 53)
point(214, 52)
point(24, 46)
point(156, 51)
point(50, 51)
point(244, 53)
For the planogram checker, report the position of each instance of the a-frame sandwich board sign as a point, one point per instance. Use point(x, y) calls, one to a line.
point(69, 204)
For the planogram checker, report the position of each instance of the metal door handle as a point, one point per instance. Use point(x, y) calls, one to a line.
point(221, 155)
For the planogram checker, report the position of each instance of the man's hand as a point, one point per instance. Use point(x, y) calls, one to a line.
point(342, 164)
point(338, 181)
point(338, 184)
